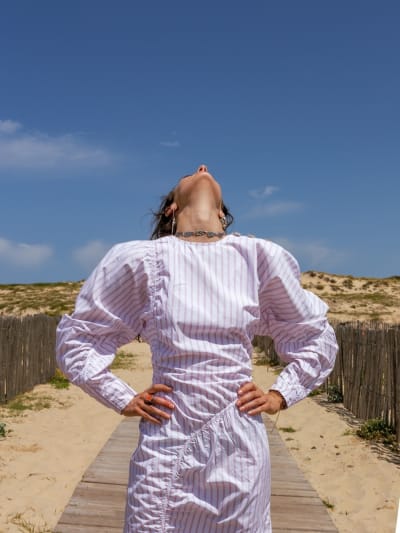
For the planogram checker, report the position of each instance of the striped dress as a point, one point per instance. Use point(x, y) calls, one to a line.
point(198, 305)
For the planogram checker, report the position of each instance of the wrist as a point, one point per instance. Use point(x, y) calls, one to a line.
point(283, 404)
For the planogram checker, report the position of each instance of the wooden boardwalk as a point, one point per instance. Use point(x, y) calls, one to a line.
point(98, 502)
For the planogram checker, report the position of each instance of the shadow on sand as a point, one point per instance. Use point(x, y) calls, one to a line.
point(384, 452)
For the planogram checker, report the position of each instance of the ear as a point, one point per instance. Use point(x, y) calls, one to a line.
point(169, 210)
point(221, 214)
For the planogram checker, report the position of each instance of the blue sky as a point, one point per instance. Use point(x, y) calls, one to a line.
point(294, 107)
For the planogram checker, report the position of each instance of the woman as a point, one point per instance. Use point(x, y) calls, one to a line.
point(197, 296)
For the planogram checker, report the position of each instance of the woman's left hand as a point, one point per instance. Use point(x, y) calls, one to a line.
point(253, 400)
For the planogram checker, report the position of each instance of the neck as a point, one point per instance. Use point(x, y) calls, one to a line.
point(197, 219)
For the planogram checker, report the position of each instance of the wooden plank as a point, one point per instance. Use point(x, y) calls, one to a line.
point(295, 505)
point(111, 465)
point(98, 503)
point(95, 505)
point(76, 528)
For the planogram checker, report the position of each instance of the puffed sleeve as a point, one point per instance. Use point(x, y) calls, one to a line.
point(107, 315)
point(296, 320)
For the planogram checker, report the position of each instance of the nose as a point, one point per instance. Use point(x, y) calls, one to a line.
point(202, 168)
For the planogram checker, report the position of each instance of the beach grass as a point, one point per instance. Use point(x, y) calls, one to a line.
point(348, 297)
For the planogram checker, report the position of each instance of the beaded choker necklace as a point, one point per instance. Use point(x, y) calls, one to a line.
point(199, 233)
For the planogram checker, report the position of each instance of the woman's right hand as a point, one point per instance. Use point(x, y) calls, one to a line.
point(145, 404)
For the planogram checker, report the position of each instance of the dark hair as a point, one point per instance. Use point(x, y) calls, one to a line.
point(162, 225)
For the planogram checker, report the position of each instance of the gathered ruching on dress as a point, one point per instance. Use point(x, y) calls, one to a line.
point(210, 482)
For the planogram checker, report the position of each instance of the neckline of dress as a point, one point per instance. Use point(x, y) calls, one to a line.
point(196, 243)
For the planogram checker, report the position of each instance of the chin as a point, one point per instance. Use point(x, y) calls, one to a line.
point(200, 181)
point(206, 175)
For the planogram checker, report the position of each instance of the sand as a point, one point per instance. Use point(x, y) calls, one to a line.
point(46, 452)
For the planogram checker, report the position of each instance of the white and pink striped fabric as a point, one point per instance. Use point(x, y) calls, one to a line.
point(198, 305)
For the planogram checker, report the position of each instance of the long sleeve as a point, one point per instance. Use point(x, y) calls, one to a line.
point(296, 320)
point(107, 315)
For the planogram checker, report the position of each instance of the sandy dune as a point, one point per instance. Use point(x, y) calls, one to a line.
point(349, 298)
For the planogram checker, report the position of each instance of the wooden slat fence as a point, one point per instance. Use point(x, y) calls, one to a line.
point(367, 369)
point(27, 353)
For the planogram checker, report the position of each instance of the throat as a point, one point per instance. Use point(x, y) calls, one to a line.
point(199, 223)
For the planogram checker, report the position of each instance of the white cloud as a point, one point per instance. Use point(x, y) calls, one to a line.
point(90, 254)
point(24, 255)
point(313, 254)
point(170, 144)
point(27, 150)
point(273, 209)
point(9, 126)
point(268, 190)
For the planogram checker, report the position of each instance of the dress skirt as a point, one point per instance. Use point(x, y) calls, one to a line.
point(216, 479)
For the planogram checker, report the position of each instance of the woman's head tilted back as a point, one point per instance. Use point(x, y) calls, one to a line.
point(190, 189)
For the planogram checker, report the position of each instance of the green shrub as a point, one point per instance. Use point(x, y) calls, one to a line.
point(288, 429)
point(262, 360)
point(348, 283)
point(316, 392)
point(334, 394)
point(26, 402)
point(124, 360)
point(328, 504)
point(59, 381)
point(378, 430)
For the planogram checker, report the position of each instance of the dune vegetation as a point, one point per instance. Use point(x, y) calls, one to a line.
point(349, 298)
